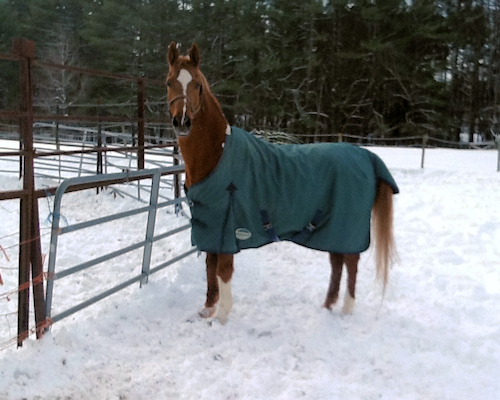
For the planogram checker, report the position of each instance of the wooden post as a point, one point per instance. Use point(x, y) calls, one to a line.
point(140, 123)
point(29, 227)
point(497, 141)
point(424, 143)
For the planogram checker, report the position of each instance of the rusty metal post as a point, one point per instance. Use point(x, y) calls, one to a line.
point(140, 123)
point(177, 180)
point(20, 157)
point(99, 141)
point(29, 236)
point(99, 169)
point(177, 185)
point(25, 50)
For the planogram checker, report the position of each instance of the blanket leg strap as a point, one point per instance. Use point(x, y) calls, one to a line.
point(309, 228)
point(268, 227)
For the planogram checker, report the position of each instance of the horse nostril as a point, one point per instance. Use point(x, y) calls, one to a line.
point(175, 122)
point(187, 123)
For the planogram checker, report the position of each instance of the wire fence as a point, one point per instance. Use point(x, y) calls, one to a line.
point(35, 163)
point(59, 225)
point(424, 142)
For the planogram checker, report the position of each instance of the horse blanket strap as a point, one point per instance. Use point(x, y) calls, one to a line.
point(266, 224)
point(310, 228)
point(317, 195)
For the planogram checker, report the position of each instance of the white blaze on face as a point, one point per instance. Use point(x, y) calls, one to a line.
point(184, 79)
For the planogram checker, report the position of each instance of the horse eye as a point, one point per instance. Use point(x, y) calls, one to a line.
point(197, 85)
point(169, 83)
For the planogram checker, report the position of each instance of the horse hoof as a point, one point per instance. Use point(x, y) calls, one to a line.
point(221, 316)
point(207, 312)
point(346, 311)
point(329, 303)
point(348, 304)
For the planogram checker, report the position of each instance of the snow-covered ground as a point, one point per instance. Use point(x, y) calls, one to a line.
point(436, 335)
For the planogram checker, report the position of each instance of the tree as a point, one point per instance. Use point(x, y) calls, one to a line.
point(380, 67)
point(9, 71)
point(468, 44)
point(58, 87)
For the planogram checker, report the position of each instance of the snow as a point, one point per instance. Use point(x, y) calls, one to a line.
point(435, 335)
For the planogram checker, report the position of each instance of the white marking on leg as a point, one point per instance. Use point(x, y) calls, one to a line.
point(225, 301)
point(184, 79)
point(349, 302)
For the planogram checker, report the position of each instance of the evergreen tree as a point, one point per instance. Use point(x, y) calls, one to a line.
point(9, 70)
point(380, 67)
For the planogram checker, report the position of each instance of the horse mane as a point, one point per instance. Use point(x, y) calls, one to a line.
point(207, 91)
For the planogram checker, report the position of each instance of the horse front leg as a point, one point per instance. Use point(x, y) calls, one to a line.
point(219, 296)
point(212, 287)
point(224, 274)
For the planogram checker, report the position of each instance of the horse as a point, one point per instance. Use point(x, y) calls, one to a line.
point(208, 146)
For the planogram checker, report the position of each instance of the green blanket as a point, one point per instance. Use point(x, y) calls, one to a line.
point(317, 195)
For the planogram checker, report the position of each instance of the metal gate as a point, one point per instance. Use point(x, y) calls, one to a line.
point(146, 244)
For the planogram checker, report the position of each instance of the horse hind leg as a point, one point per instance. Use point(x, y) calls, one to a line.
point(351, 261)
point(336, 261)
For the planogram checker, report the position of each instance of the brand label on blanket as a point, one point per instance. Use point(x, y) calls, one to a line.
point(243, 234)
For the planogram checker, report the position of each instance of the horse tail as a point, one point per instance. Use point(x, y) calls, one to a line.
point(383, 235)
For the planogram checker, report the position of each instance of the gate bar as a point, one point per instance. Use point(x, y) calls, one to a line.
point(87, 180)
point(119, 287)
point(150, 228)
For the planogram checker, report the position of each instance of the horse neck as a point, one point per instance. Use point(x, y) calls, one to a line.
point(202, 148)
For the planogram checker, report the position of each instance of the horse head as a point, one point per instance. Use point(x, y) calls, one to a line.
point(184, 88)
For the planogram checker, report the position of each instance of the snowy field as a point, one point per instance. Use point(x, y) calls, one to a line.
point(436, 335)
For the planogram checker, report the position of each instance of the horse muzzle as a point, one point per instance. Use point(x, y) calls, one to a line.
point(182, 125)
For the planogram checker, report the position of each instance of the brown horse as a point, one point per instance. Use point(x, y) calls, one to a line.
point(201, 130)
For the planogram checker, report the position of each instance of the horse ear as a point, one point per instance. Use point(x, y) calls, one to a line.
point(172, 54)
point(194, 55)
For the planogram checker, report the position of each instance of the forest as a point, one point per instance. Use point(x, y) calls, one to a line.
point(379, 68)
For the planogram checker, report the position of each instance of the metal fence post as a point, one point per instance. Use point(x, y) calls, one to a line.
point(54, 236)
point(58, 143)
point(99, 143)
point(177, 180)
point(140, 123)
point(29, 235)
point(150, 228)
